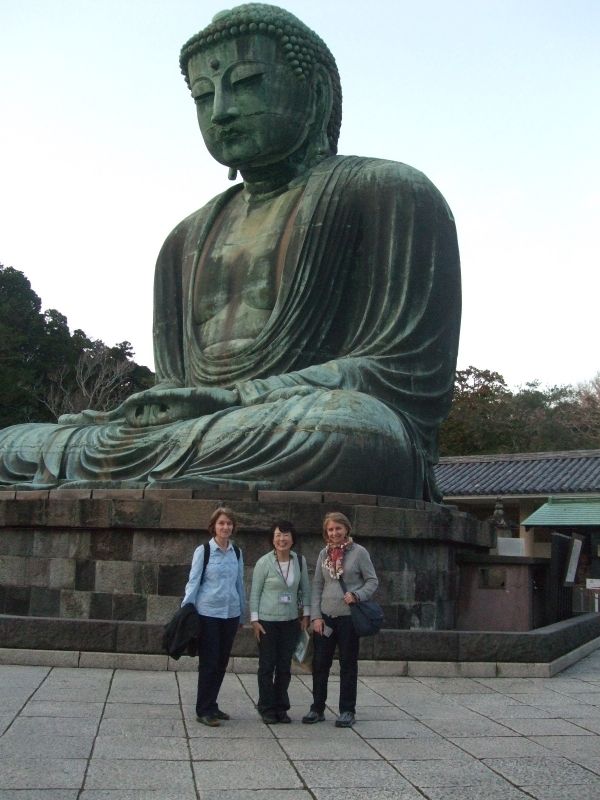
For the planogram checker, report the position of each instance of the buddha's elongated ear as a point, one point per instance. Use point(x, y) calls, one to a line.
point(322, 92)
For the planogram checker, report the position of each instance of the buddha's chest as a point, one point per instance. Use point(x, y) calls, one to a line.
point(242, 259)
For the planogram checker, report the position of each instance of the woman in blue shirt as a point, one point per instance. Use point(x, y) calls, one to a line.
point(218, 596)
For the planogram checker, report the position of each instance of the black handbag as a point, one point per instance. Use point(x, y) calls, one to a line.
point(367, 615)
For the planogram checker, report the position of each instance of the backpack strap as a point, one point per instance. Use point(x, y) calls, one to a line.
point(206, 557)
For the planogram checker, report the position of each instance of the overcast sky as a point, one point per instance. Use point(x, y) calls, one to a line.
point(497, 101)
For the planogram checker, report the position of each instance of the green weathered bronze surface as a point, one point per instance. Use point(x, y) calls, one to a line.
point(305, 321)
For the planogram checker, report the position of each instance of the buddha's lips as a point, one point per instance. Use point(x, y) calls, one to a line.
point(223, 134)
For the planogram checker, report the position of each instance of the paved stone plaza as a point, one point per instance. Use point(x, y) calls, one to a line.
point(101, 734)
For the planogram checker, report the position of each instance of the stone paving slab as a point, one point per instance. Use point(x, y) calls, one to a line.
point(23, 676)
point(591, 725)
point(121, 774)
point(84, 678)
point(52, 694)
point(464, 686)
point(500, 746)
point(53, 726)
point(141, 711)
point(351, 774)
point(475, 726)
point(386, 729)
point(225, 774)
point(161, 748)
point(39, 794)
point(593, 764)
point(448, 772)
point(51, 708)
point(501, 791)
point(13, 702)
point(236, 749)
point(379, 713)
point(5, 721)
point(33, 746)
point(574, 748)
point(255, 794)
point(136, 695)
point(591, 792)
point(545, 727)
point(138, 726)
point(517, 711)
point(399, 793)
point(418, 749)
point(534, 770)
point(444, 709)
point(146, 794)
point(42, 773)
point(311, 750)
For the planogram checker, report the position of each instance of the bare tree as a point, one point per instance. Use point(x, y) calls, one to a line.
point(100, 380)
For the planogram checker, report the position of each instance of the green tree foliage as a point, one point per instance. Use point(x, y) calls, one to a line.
point(487, 417)
point(46, 371)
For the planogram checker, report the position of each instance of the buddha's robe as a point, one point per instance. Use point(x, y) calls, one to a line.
point(342, 390)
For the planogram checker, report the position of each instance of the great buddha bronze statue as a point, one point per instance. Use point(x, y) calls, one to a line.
point(306, 320)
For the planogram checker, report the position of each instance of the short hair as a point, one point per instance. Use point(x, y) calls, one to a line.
point(285, 526)
point(336, 516)
point(215, 516)
point(301, 47)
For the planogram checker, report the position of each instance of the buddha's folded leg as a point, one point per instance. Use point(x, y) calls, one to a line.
point(32, 453)
point(325, 441)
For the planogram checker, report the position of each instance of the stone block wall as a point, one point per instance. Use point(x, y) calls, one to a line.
point(123, 555)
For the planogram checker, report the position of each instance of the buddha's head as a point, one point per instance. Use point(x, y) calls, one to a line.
point(266, 88)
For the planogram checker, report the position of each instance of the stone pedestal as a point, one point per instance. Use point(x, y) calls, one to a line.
point(117, 560)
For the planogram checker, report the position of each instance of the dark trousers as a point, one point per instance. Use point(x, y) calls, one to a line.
point(216, 641)
point(347, 641)
point(275, 650)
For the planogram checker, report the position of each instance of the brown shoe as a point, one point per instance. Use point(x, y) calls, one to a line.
point(212, 722)
point(222, 715)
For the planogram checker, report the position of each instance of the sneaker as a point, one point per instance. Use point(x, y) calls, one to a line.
point(211, 722)
point(222, 715)
point(282, 716)
point(269, 719)
point(345, 720)
point(312, 717)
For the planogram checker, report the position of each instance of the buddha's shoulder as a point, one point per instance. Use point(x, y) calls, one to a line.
point(367, 180)
point(377, 172)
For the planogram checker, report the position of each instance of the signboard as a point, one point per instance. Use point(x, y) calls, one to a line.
point(573, 559)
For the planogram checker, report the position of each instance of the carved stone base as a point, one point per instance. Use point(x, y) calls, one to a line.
point(116, 556)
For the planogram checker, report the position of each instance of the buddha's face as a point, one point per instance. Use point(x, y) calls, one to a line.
point(252, 110)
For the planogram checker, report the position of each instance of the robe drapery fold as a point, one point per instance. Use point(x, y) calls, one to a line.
point(346, 385)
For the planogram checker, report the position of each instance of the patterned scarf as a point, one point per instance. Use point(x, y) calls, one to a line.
point(334, 560)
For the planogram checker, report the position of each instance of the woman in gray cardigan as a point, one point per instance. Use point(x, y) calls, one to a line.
point(332, 623)
point(280, 586)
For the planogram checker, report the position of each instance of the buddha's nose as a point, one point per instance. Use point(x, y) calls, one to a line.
point(224, 108)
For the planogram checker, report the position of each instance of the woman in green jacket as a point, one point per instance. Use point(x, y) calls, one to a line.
point(280, 586)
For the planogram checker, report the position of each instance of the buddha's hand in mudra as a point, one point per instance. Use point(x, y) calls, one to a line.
point(162, 406)
point(159, 406)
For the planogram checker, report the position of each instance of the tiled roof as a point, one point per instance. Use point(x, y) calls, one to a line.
point(520, 473)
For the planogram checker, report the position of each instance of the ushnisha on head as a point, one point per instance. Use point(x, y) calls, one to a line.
point(301, 49)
